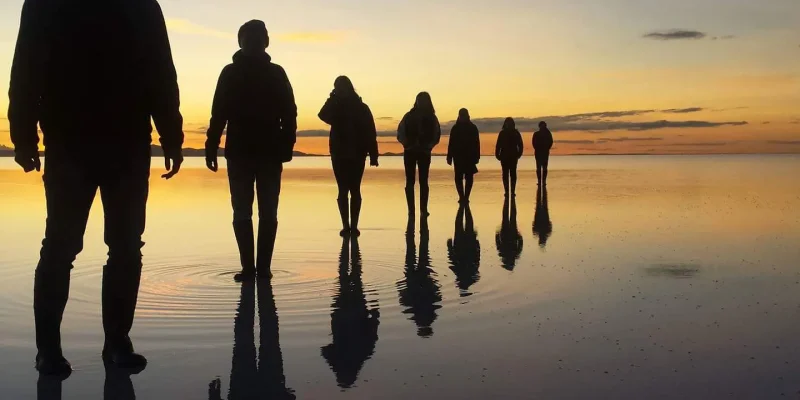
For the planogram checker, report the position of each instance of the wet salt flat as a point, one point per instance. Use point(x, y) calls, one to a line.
point(641, 277)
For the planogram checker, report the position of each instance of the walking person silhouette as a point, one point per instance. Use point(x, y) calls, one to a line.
point(464, 153)
point(419, 132)
point(254, 99)
point(508, 151)
point(542, 143)
point(92, 75)
point(353, 137)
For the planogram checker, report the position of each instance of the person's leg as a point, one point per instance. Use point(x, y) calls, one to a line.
point(410, 164)
point(505, 171)
point(470, 179)
point(69, 192)
point(545, 162)
point(538, 168)
point(242, 178)
point(424, 162)
point(356, 176)
point(268, 185)
point(513, 173)
point(341, 172)
point(124, 188)
point(459, 177)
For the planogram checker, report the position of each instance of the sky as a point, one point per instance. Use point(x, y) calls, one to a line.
point(609, 76)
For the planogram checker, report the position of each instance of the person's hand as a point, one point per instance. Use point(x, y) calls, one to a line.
point(212, 162)
point(29, 161)
point(449, 161)
point(373, 161)
point(172, 162)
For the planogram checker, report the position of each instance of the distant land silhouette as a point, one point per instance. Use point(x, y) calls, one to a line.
point(6, 151)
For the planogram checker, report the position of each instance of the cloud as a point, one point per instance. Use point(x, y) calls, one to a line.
point(785, 142)
point(766, 123)
point(675, 34)
point(187, 27)
point(385, 118)
point(728, 109)
point(576, 141)
point(683, 110)
point(726, 37)
point(326, 133)
point(629, 139)
point(699, 144)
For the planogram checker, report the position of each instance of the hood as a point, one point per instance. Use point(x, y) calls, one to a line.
point(241, 57)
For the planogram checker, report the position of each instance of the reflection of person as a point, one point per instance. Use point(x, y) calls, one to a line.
point(542, 226)
point(354, 326)
point(464, 153)
point(542, 143)
point(419, 292)
point(93, 79)
point(419, 132)
point(508, 239)
point(509, 150)
point(464, 251)
point(252, 378)
point(353, 137)
point(254, 100)
point(118, 385)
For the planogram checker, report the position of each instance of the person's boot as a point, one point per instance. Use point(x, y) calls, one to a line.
point(119, 352)
point(267, 231)
point(344, 212)
point(424, 193)
point(355, 212)
point(245, 239)
point(410, 201)
point(121, 277)
point(50, 294)
point(460, 190)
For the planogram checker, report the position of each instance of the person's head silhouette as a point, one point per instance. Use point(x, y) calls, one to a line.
point(509, 123)
point(343, 86)
point(424, 103)
point(542, 125)
point(253, 37)
point(463, 114)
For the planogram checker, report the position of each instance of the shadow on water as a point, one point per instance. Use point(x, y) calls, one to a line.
point(464, 251)
point(508, 239)
point(255, 375)
point(677, 271)
point(542, 226)
point(419, 291)
point(354, 326)
point(117, 385)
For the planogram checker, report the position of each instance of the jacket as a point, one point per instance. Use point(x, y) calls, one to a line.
point(465, 143)
point(92, 74)
point(542, 141)
point(509, 145)
point(353, 133)
point(255, 100)
point(419, 133)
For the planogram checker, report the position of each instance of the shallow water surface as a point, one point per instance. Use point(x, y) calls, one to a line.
point(636, 277)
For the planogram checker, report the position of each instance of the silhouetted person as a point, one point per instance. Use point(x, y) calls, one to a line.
point(254, 99)
point(419, 291)
point(419, 132)
point(353, 137)
point(254, 377)
point(542, 143)
point(509, 150)
point(464, 153)
point(508, 239)
point(354, 326)
point(92, 74)
point(464, 251)
point(542, 226)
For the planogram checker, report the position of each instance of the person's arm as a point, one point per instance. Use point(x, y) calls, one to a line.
point(477, 144)
point(219, 111)
point(372, 135)
point(288, 111)
point(327, 112)
point(520, 145)
point(163, 85)
point(550, 141)
point(402, 135)
point(437, 133)
point(497, 147)
point(26, 87)
point(450, 145)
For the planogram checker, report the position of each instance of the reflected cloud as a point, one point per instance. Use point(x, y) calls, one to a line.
point(678, 271)
point(508, 239)
point(542, 226)
point(354, 325)
point(255, 374)
point(419, 292)
point(464, 251)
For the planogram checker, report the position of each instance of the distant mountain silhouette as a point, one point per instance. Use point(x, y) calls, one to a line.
point(6, 151)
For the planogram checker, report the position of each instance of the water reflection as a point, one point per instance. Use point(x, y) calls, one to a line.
point(49, 387)
point(118, 385)
point(678, 271)
point(255, 377)
point(542, 226)
point(464, 251)
point(419, 292)
point(354, 325)
point(508, 239)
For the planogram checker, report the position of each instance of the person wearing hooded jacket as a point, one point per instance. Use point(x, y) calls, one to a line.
point(91, 75)
point(542, 143)
point(255, 101)
point(353, 136)
point(509, 150)
point(419, 132)
point(464, 153)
